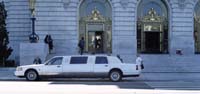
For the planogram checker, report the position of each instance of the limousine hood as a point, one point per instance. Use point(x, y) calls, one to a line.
point(33, 65)
point(21, 68)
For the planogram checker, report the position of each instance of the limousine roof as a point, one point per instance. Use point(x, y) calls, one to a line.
point(85, 55)
point(92, 55)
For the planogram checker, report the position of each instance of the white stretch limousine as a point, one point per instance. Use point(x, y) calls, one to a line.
point(80, 66)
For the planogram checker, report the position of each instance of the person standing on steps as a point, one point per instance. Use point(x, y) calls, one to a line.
point(139, 61)
point(37, 60)
point(48, 40)
point(81, 45)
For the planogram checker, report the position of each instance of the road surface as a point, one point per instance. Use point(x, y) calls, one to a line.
point(100, 86)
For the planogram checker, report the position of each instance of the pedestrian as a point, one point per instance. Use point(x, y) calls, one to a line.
point(81, 45)
point(48, 40)
point(37, 60)
point(139, 61)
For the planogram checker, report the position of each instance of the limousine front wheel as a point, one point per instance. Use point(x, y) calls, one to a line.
point(115, 76)
point(31, 75)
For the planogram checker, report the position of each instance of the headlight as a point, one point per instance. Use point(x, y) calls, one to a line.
point(19, 69)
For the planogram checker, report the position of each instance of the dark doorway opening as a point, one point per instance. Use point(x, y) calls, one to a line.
point(99, 42)
point(152, 42)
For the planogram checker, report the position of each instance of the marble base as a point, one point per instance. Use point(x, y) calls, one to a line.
point(29, 51)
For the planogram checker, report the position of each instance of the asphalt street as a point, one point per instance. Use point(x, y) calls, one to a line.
point(99, 86)
point(147, 83)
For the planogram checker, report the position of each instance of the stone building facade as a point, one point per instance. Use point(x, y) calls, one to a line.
point(125, 27)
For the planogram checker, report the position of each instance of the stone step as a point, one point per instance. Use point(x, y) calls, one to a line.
point(171, 63)
point(164, 63)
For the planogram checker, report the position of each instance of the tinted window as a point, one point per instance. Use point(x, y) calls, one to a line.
point(78, 60)
point(101, 60)
point(55, 61)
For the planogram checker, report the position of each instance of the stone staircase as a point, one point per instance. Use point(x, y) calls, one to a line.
point(165, 63)
point(171, 63)
point(62, 48)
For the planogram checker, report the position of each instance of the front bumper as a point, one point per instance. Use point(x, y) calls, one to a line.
point(19, 73)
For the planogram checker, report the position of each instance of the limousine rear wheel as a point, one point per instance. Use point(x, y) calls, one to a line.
point(31, 75)
point(115, 76)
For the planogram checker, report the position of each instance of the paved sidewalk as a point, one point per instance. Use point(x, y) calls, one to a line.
point(7, 74)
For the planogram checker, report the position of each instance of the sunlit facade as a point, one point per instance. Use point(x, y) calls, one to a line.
point(153, 28)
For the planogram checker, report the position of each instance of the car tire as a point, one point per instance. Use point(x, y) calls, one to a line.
point(115, 76)
point(32, 75)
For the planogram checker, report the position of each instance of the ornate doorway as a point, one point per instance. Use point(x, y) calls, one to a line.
point(152, 27)
point(97, 31)
point(197, 28)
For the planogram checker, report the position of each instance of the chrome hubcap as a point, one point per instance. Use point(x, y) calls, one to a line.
point(115, 76)
point(32, 75)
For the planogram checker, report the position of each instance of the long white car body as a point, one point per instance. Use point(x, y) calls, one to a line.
point(80, 66)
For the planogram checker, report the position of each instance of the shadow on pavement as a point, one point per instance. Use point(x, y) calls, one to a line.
point(125, 84)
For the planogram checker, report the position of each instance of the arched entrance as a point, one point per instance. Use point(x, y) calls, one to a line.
point(197, 27)
point(152, 27)
point(95, 25)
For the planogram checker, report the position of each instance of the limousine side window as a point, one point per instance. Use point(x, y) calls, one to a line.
point(101, 60)
point(78, 60)
point(55, 61)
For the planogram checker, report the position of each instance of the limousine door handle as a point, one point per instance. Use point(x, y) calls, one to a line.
point(106, 65)
point(58, 66)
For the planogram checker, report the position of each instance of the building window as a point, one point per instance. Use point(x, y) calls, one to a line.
point(152, 27)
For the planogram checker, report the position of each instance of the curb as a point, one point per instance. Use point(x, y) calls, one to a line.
point(7, 69)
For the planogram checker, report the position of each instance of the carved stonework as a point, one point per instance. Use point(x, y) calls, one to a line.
point(197, 3)
point(194, 2)
point(66, 3)
point(197, 19)
point(152, 16)
point(124, 3)
point(95, 17)
point(182, 3)
point(197, 13)
point(152, 21)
